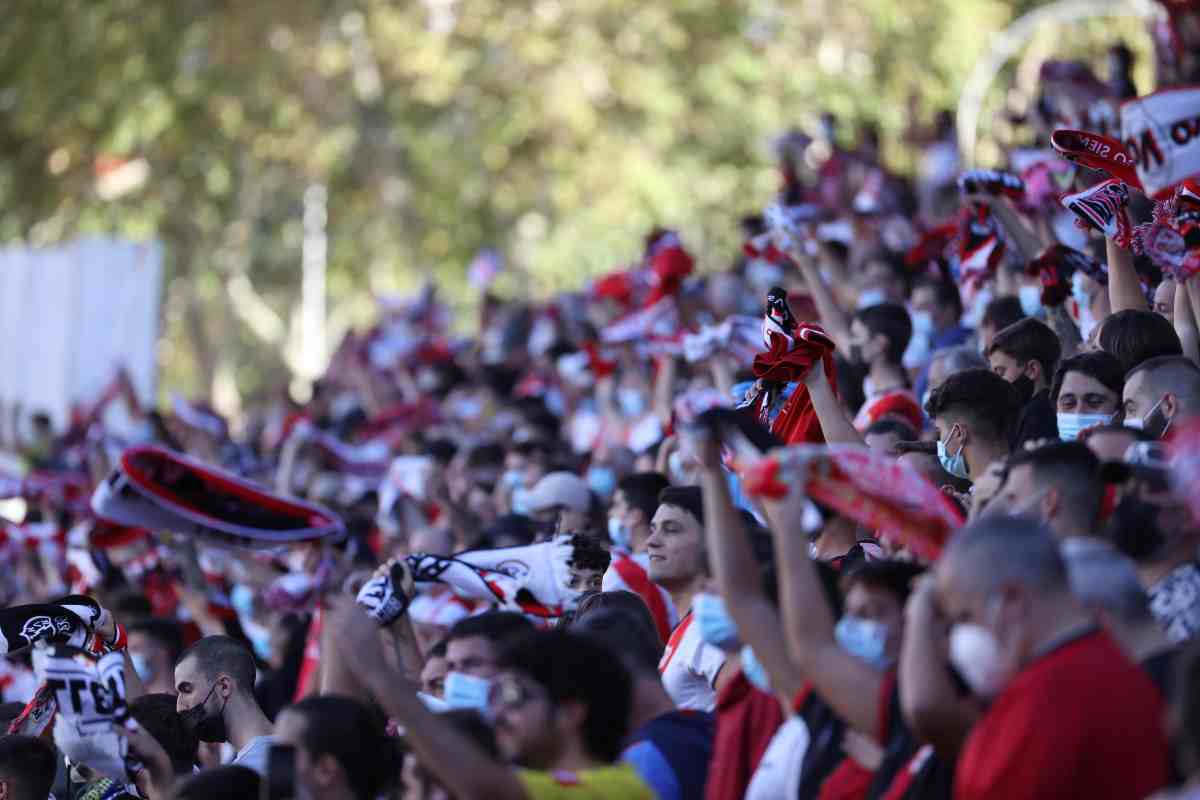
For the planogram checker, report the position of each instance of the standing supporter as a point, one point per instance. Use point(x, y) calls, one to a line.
point(561, 704)
point(998, 315)
point(155, 646)
point(691, 669)
point(214, 679)
point(27, 767)
point(560, 503)
point(976, 414)
point(1021, 640)
point(1086, 393)
point(473, 649)
point(1135, 337)
point(670, 748)
point(879, 335)
point(633, 507)
point(1160, 394)
point(1106, 582)
point(936, 318)
point(342, 751)
point(1026, 355)
point(1060, 485)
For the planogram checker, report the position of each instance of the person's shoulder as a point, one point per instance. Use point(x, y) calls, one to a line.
point(254, 754)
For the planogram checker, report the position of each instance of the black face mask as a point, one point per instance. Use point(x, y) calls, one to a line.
point(1156, 423)
point(206, 727)
point(856, 355)
point(1024, 386)
point(1134, 528)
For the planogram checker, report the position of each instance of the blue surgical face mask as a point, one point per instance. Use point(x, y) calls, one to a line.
point(956, 464)
point(141, 665)
point(1031, 300)
point(602, 480)
point(716, 626)
point(871, 297)
point(1070, 425)
point(241, 597)
point(512, 478)
point(620, 534)
point(631, 401)
point(865, 639)
point(467, 691)
point(922, 323)
point(754, 671)
point(520, 501)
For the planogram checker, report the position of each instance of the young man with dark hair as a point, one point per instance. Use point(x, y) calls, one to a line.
point(633, 504)
point(937, 309)
point(156, 713)
point(155, 646)
point(1026, 355)
point(1136, 336)
point(214, 679)
point(691, 669)
point(560, 702)
point(343, 751)
point(1161, 394)
point(879, 335)
point(975, 413)
point(473, 649)
point(998, 315)
point(1059, 484)
point(669, 748)
point(27, 768)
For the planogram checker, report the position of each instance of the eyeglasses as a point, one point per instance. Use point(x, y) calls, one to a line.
point(509, 694)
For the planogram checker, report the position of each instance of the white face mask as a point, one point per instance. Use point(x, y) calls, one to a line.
point(976, 654)
point(467, 691)
point(922, 323)
point(1031, 300)
point(871, 297)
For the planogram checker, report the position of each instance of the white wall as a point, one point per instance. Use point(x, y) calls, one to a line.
point(71, 315)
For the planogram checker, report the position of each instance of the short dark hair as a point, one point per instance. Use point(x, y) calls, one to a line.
point(229, 782)
point(438, 650)
point(887, 575)
point(882, 427)
point(9, 712)
point(1098, 365)
point(489, 454)
point(990, 403)
point(625, 634)
point(619, 600)
point(1002, 312)
point(944, 292)
point(1177, 374)
point(354, 734)
point(167, 632)
point(1074, 469)
point(573, 667)
point(495, 626)
point(1029, 340)
point(217, 654)
point(29, 763)
point(641, 490)
point(588, 553)
point(156, 713)
point(689, 498)
point(890, 320)
point(1135, 336)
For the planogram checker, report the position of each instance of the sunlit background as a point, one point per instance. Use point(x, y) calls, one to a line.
point(387, 142)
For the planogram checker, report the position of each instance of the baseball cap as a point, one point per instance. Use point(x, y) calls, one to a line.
point(564, 489)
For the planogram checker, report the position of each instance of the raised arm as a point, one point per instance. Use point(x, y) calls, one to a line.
point(1185, 321)
point(837, 427)
point(849, 686)
point(928, 698)
point(1026, 240)
point(835, 320)
point(738, 575)
point(454, 760)
point(1124, 288)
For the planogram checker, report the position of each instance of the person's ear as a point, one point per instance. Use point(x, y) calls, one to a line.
point(5, 793)
point(1170, 405)
point(1033, 370)
point(1051, 503)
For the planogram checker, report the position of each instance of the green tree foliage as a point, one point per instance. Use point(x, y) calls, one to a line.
point(558, 131)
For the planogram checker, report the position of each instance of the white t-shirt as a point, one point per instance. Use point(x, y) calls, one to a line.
point(778, 773)
point(628, 572)
point(689, 668)
point(254, 754)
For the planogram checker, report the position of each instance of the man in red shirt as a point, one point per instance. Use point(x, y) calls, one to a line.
point(1070, 715)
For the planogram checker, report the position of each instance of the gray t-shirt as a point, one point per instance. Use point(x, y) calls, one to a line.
point(254, 755)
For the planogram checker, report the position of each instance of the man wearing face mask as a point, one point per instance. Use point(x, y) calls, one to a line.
point(975, 413)
point(633, 506)
point(1026, 355)
point(1058, 484)
point(1161, 395)
point(936, 310)
point(214, 679)
point(1070, 714)
point(472, 654)
point(154, 646)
